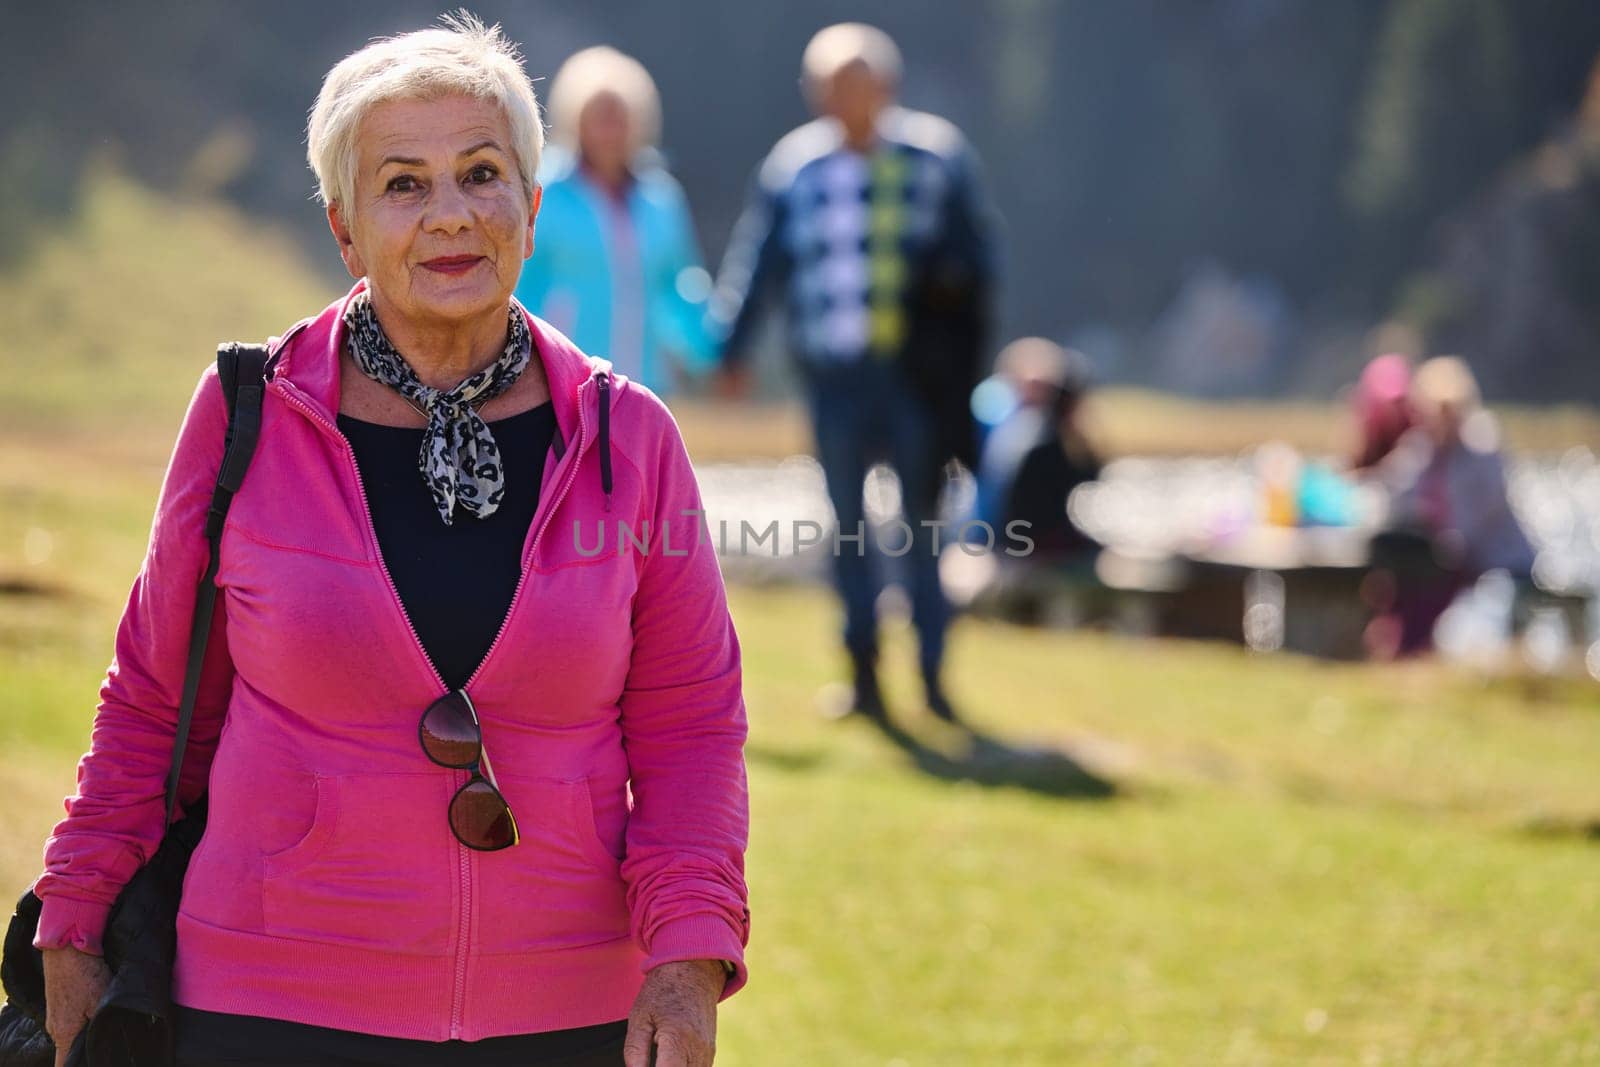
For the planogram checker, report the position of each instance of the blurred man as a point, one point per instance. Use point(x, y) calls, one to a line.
point(872, 220)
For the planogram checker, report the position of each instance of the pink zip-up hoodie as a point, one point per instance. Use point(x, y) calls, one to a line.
point(328, 888)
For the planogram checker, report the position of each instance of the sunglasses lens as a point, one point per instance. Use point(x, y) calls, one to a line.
point(480, 817)
point(450, 734)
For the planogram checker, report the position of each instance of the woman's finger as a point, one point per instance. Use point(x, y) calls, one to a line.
point(670, 1050)
point(636, 1047)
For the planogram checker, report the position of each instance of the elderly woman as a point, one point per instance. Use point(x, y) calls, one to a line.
point(1451, 519)
point(401, 594)
point(617, 266)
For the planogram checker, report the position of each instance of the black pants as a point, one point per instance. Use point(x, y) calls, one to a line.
point(215, 1039)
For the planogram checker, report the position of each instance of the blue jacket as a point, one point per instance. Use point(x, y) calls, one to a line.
point(574, 282)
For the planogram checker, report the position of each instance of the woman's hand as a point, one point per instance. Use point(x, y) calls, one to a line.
point(74, 982)
point(676, 1014)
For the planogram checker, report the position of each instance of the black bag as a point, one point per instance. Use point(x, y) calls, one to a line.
point(132, 1027)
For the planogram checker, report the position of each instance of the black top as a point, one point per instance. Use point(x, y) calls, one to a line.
point(455, 581)
point(1048, 475)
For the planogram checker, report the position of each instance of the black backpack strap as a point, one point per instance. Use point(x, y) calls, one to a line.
point(242, 371)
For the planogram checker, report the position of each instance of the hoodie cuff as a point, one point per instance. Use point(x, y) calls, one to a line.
point(700, 937)
point(69, 922)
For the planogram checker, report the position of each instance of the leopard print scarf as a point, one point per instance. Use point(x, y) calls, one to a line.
point(459, 459)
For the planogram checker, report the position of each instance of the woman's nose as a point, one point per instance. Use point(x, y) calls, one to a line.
point(447, 210)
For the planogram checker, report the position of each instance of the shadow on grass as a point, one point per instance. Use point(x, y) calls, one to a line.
point(784, 760)
point(986, 760)
point(12, 585)
point(1568, 829)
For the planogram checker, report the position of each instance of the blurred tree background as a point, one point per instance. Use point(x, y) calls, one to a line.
point(1314, 167)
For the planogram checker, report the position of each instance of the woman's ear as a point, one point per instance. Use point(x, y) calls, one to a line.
point(347, 245)
point(533, 214)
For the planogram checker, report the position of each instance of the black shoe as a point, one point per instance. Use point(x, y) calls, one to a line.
point(938, 703)
point(866, 697)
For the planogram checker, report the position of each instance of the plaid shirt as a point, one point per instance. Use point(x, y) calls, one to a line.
point(849, 234)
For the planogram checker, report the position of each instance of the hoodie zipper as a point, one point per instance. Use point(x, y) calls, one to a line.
point(575, 453)
point(464, 860)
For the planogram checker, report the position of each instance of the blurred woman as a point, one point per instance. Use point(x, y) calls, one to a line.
point(1448, 475)
point(1382, 405)
point(617, 267)
point(1450, 520)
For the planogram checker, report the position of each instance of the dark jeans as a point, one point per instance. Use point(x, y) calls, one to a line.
point(861, 413)
point(214, 1039)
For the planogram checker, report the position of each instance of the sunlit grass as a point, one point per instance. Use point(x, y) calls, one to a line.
point(110, 319)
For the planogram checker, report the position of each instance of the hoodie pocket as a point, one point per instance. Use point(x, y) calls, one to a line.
point(560, 886)
point(372, 871)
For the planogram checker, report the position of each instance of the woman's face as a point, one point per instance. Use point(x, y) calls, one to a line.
point(439, 223)
point(1442, 420)
point(605, 133)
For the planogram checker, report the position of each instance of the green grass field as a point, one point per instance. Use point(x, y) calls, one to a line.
point(1146, 853)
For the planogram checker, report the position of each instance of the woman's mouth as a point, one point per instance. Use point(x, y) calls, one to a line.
point(452, 264)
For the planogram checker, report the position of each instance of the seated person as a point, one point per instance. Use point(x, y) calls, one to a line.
point(1382, 404)
point(1450, 520)
point(1062, 460)
point(1015, 406)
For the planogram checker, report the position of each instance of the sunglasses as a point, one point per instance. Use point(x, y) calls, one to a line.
point(452, 737)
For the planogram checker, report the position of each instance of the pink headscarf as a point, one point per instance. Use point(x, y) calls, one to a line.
point(1383, 411)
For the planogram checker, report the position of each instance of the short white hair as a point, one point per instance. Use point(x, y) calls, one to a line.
point(602, 69)
point(842, 44)
point(460, 57)
point(1445, 381)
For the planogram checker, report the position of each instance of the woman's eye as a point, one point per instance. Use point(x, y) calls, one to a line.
point(483, 172)
point(403, 183)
